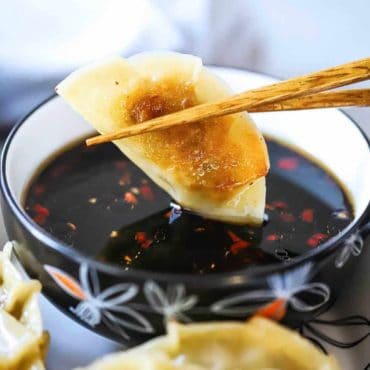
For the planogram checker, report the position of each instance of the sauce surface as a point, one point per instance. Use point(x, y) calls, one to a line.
point(96, 200)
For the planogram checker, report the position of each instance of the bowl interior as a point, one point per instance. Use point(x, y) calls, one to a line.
point(328, 135)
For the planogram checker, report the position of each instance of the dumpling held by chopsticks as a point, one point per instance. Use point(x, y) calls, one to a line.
point(216, 167)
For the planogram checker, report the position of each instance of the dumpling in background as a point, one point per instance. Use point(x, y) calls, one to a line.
point(216, 167)
point(23, 343)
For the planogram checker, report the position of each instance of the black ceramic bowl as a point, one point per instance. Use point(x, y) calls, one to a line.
point(132, 306)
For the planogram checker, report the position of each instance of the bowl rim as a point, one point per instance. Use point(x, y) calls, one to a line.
point(237, 276)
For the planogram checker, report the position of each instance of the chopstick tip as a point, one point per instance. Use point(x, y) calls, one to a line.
point(91, 141)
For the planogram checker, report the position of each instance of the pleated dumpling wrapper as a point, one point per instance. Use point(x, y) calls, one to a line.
point(23, 343)
point(259, 344)
point(216, 168)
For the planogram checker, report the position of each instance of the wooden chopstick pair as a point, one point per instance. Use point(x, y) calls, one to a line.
point(305, 92)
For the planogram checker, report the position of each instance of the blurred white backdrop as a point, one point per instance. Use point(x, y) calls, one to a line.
point(42, 40)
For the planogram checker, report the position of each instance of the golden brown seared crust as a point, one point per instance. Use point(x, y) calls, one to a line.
point(209, 154)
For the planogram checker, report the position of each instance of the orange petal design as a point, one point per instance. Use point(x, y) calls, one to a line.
point(275, 310)
point(66, 282)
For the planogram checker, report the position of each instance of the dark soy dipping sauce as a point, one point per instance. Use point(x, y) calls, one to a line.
point(96, 200)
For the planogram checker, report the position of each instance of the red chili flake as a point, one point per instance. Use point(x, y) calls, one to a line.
point(140, 236)
point(287, 217)
point(307, 215)
point(273, 237)
point(38, 190)
point(147, 244)
point(39, 209)
point(316, 239)
point(168, 214)
point(279, 204)
point(143, 240)
point(41, 213)
point(120, 165)
point(288, 163)
point(147, 192)
point(269, 207)
point(125, 179)
point(130, 198)
point(238, 244)
point(233, 236)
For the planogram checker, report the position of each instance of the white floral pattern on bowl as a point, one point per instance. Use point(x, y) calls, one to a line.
point(352, 246)
point(108, 307)
point(114, 307)
point(273, 302)
point(171, 303)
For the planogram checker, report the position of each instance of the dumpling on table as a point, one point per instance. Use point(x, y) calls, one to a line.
point(23, 343)
point(216, 167)
point(259, 344)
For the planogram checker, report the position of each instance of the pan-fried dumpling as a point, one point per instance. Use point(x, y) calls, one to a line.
point(216, 168)
point(259, 344)
point(23, 343)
